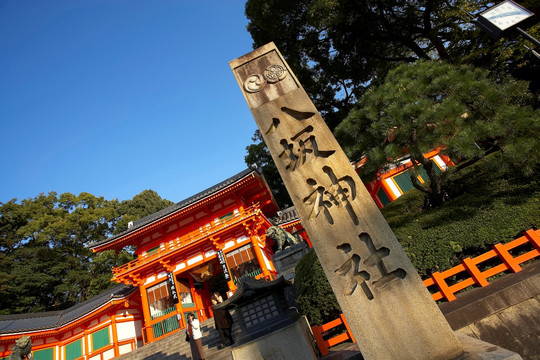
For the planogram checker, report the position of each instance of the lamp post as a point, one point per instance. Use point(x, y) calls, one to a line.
point(503, 17)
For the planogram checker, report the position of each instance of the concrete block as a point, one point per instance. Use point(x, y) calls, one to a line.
point(528, 347)
point(522, 319)
point(479, 350)
point(289, 343)
point(493, 330)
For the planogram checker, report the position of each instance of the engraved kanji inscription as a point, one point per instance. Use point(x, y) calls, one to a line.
point(340, 192)
point(273, 126)
point(375, 259)
point(350, 268)
point(298, 115)
point(301, 146)
point(370, 273)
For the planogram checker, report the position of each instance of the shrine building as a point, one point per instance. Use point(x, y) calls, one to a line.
point(394, 181)
point(203, 244)
point(183, 254)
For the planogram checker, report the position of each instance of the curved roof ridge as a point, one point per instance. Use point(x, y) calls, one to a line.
point(49, 320)
point(179, 205)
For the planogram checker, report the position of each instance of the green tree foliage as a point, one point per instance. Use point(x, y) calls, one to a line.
point(45, 263)
point(314, 295)
point(432, 103)
point(258, 155)
point(143, 204)
point(339, 47)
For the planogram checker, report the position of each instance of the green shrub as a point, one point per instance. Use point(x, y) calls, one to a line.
point(487, 206)
point(314, 295)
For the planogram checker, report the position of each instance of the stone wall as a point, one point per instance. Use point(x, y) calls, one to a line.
point(505, 313)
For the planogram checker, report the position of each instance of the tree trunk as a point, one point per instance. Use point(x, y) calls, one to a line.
point(435, 194)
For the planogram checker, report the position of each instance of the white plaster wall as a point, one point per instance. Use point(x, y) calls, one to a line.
point(241, 239)
point(393, 187)
point(195, 259)
point(123, 349)
point(126, 330)
point(150, 279)
point(440, 162)
point(109, 354)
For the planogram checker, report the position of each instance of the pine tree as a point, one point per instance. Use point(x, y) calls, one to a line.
point(430, 104)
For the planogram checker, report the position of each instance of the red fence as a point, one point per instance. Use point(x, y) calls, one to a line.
point(471, 268)
point(318, 333)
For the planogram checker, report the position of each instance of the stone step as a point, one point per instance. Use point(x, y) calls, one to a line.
point(174, 346)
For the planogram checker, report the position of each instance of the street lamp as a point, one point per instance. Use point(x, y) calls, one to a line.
point(503, 17)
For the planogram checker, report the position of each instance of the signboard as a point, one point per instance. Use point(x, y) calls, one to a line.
point(172, 287)
point(223, 264)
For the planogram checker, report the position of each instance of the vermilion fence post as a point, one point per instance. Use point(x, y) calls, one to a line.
point(317, 333)
point(500, 251)
point(534, 239)
point(507, 258)
point(475, 273)
point(347, 327)
point(325, 344)
point(443, 287)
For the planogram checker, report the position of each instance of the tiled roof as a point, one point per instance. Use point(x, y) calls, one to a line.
point(249, 287)
point(286, 216)
point(178, 206)
point(19, 323)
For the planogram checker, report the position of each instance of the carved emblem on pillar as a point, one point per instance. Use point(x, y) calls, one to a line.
point(271, 75)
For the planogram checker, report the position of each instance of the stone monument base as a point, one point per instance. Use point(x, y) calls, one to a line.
point(474, 350)
point(480, 350)
point(277, 346)
point(289, 343)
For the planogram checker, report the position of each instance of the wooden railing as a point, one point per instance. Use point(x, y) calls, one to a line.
point(252, 274)
point(161, 329)
point(468, 267)
point(186, 239)
point(475, 276)
point(318, 333)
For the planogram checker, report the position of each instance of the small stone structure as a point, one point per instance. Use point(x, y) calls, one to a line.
point(289, 343)
point(285, 261)
point(22, 349)
point(282, 237)
point(269, 323)
point(261, 306)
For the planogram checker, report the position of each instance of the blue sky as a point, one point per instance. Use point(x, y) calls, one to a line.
point(113, 97)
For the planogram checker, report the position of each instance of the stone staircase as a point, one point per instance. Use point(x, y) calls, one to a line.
point(175, 347)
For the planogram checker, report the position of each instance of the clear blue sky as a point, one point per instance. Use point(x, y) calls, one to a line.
point(113, 97)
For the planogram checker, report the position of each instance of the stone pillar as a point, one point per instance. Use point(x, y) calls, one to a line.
point(389, 310)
